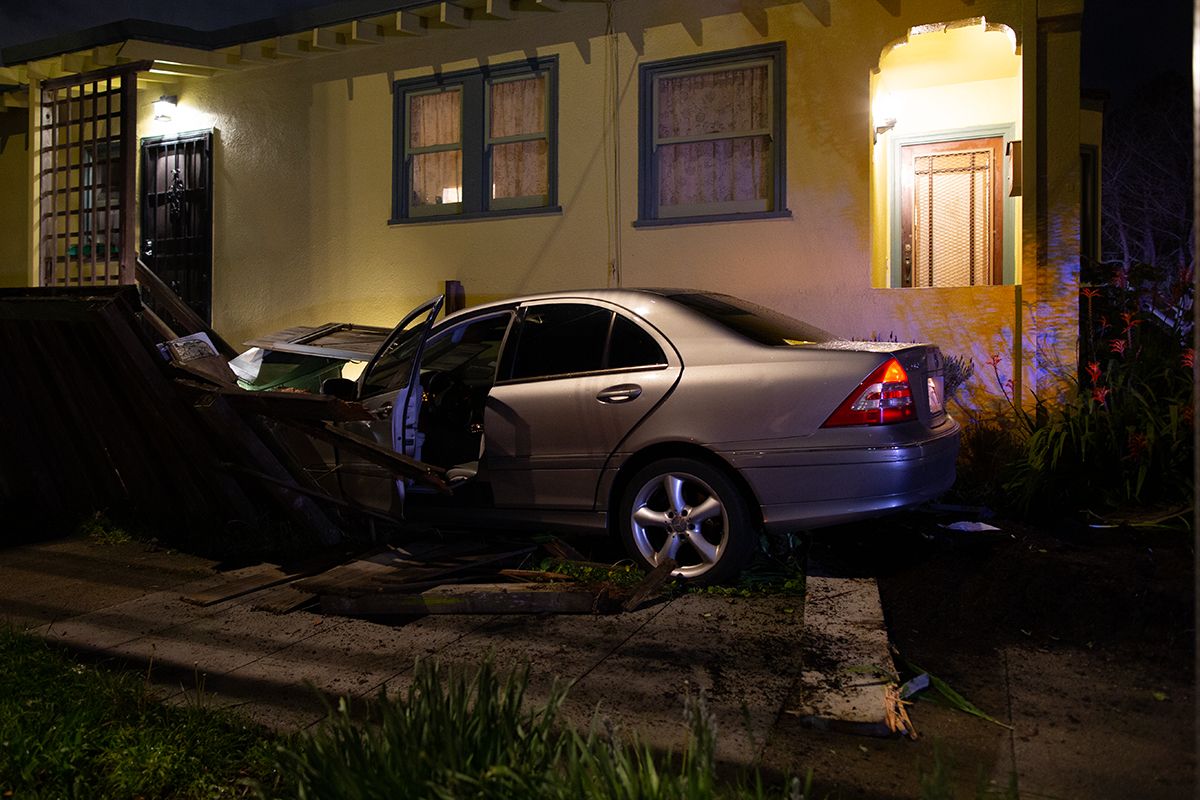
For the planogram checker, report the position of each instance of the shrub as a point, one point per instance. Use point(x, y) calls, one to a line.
point(1123, 437)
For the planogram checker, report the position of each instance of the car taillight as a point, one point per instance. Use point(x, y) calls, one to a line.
point(883, 398)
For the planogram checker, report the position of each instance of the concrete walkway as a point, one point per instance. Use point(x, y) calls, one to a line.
point(280, 670)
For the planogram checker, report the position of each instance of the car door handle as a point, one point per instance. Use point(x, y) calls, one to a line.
point(621, 393)
point(384, 411)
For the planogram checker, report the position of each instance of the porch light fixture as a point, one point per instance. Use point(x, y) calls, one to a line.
point(164, 106)
point(884, 111)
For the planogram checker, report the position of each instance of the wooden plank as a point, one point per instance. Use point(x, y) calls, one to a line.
point(396, 463)
point(301, 406)
point(651, 585)
point(261, 577)
point(497, 598)
point(386, 573)
point(180, 312)
point(282, 599)
point(533, 575)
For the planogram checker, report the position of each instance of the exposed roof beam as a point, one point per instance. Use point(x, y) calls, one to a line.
point(181, 70)
point(106, 56)
point(291, 47)
point(409, 23)
point(136, 50)
point(498, 9)
point(325, 39)
point(74, 62)
point(14, 100)
point(365, 32)
point(452, 16)
point(13, 75)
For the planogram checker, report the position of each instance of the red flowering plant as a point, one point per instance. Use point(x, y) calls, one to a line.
point(1124, 436)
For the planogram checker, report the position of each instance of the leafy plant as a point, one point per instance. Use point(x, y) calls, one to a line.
point(1123, 436)
point(458, 735)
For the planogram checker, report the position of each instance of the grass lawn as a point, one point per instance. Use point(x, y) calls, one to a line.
point(72, 730)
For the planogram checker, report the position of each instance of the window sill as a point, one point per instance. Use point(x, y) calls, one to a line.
point(667, 222)
point(540, 211)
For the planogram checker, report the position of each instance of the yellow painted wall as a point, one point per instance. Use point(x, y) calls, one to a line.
point(14, 198)
point(304, 158)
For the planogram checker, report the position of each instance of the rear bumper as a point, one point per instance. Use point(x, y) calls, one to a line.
point(812, 488)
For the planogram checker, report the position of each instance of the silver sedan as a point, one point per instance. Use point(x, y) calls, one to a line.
point(683, 422)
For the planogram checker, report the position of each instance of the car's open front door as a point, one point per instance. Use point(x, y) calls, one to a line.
point(389, 388)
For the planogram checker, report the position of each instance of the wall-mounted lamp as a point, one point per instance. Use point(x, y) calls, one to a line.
point(884, 111)
point(164, 106)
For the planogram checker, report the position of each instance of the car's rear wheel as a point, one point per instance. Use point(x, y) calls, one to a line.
point(692, 512)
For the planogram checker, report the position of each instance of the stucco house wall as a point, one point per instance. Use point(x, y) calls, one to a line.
point(303, 178)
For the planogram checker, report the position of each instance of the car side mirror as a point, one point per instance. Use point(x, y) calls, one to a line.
point(341, 388)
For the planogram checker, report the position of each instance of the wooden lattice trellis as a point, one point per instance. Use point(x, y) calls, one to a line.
point(86, 160)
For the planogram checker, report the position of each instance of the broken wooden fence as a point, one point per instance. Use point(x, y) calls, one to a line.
point(93, 419)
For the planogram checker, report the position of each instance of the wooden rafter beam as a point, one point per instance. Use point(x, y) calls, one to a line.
point(291, 47)
point(362, 32)
point(498, 9)
point(452, 16)
point(409, 24)
point(181, 70)
point(135, 50)
point(325, 39)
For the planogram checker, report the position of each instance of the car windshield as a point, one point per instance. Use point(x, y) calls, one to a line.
point(754, 322)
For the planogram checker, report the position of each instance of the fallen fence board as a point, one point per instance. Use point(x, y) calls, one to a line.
point(651, 584)
point(281, 599)
point(260, 577)
point(392, 573)
point(498, 598)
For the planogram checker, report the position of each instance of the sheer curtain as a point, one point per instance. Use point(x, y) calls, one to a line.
point(435, 121)
point(728, 110)
point(517, 110)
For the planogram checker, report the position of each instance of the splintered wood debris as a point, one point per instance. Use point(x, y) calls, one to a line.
point(454, 577)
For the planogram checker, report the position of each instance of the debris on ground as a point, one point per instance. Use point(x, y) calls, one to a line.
point(462, 576)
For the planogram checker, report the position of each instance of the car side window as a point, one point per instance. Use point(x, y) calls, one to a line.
point(577, 338)
point(561, 339)
point(468, 351)
point(631, 346)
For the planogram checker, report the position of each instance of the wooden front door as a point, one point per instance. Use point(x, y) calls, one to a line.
point(177, 203)
point(951, 212)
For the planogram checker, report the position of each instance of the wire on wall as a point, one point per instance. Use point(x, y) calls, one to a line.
point(612, 144)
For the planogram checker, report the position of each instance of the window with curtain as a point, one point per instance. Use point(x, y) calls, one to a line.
point(712, 137)
point(476, 143)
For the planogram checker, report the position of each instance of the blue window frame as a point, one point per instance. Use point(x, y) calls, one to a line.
point(476, 143)
point(712, 144)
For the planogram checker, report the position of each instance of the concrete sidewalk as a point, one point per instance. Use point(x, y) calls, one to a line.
point(280, 670)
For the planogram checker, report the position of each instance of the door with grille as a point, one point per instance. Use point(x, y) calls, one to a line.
point(951, 212)
point(176, 234)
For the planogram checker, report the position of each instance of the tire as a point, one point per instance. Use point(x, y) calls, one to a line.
point(657, 516)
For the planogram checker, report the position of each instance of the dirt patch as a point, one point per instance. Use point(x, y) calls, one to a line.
point(1126, 592)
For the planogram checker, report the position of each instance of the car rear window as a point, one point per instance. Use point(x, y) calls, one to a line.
point(752, 321)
